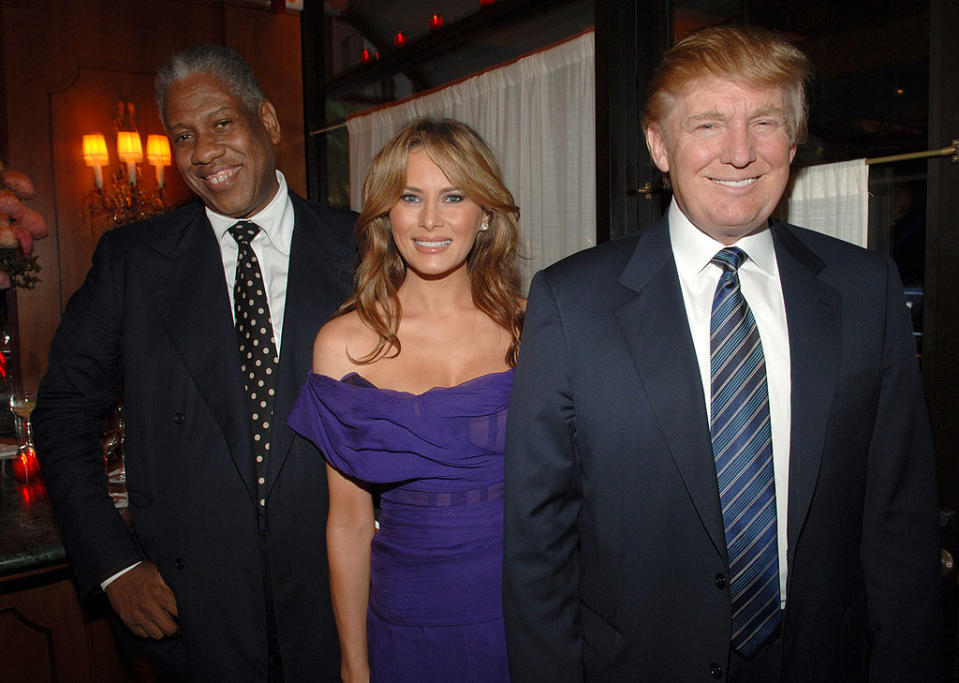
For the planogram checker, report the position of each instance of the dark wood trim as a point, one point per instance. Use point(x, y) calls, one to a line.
point(631, 38)
point(430, 46)
point(15, 369)
point(941, 322)
point(384, 45)
point(25, 623)
point(10, 294)
point(4, 149)
point(313, 39)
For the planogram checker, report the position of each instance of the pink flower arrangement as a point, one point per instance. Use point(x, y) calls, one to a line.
point(8, 236)
point(19, 184)
point(19, 227)
point(33, 223)
point(10, 204)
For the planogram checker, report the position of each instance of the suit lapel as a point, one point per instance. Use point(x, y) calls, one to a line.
point(813, 317)
point(654, 325)
point(184, 275)
point(318, 271)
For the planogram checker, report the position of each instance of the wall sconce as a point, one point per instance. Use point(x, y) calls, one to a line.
point(125, 200)
point(130, 152)
point(95, 155)
point(158, 154)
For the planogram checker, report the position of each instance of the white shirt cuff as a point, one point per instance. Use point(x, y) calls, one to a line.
point(108, 581)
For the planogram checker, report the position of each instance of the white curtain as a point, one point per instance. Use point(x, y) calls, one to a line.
point(537, 115)
point(830, 198)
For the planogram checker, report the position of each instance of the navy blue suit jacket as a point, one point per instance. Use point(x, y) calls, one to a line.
point(152, 322)
point(615, 556)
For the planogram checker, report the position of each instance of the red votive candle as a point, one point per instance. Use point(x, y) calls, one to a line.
point(26, 468)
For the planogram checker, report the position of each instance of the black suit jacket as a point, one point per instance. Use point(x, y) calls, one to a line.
point(152, 322)
point(615, 560)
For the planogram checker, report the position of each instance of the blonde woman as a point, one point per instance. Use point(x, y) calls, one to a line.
point(408, 402)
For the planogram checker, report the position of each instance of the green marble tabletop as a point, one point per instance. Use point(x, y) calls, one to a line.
point(29, 538)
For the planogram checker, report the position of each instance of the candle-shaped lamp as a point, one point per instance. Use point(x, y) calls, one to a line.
point(436, 22)
point(158, 154)
point(130, 151)
point(95, 155)
point(26, 467)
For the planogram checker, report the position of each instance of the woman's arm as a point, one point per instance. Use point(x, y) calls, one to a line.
point(349, 531)
point(350, 523)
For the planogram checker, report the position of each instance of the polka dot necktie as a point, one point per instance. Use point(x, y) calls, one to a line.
point(259, 356)
point(742, 449)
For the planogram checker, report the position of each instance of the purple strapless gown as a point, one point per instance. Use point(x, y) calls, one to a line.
point(435, 611)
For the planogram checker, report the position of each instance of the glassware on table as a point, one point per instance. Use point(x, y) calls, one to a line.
point(25, 467)
point(113, 442)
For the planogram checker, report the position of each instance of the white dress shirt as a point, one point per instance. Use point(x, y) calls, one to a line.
point(272, 248)
point(759, 279)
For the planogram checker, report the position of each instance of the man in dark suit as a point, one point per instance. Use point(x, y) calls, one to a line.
point(718, 461)
point(223, 573)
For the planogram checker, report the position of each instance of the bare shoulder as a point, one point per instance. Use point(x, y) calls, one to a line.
point(337, 341)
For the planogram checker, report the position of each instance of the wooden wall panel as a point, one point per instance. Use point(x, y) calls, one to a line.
point(277, 61)
point(81, 109)
point(65, 63)
point(35, 658)
point(46, 634)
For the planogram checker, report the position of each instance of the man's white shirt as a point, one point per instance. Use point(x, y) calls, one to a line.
point(759, 279)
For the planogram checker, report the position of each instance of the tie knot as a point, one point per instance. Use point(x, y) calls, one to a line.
point(729, 259)
point(244, 231)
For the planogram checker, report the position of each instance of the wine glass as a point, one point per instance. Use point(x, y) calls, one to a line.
point(21, 404)
point(113, 441)
point(113, 456)
point(26, 467)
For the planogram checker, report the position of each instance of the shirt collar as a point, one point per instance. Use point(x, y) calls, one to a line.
point(693, 249)
point(275, 219)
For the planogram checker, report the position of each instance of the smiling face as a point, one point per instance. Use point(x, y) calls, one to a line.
point(223, 149)
point(434, 224)
point(727, 149)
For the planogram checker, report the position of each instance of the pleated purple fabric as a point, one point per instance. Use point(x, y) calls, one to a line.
point(436, 569)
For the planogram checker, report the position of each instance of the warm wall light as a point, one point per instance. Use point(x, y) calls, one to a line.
point(124, 200)
point(95, 155)
point(130, 151)
point(158, 154)
point(399, 40)
point(436, 22)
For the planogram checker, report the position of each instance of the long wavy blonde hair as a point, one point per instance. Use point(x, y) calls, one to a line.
point(469, 164)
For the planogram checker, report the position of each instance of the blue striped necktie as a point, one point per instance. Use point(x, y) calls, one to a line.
point(742, 449)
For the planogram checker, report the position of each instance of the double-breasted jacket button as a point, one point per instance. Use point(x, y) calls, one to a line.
point(715, 670)
point(178, 563)
point(178, 418)
point(720, 581)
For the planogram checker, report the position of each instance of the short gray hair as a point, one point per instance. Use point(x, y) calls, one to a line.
point(219, 61)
